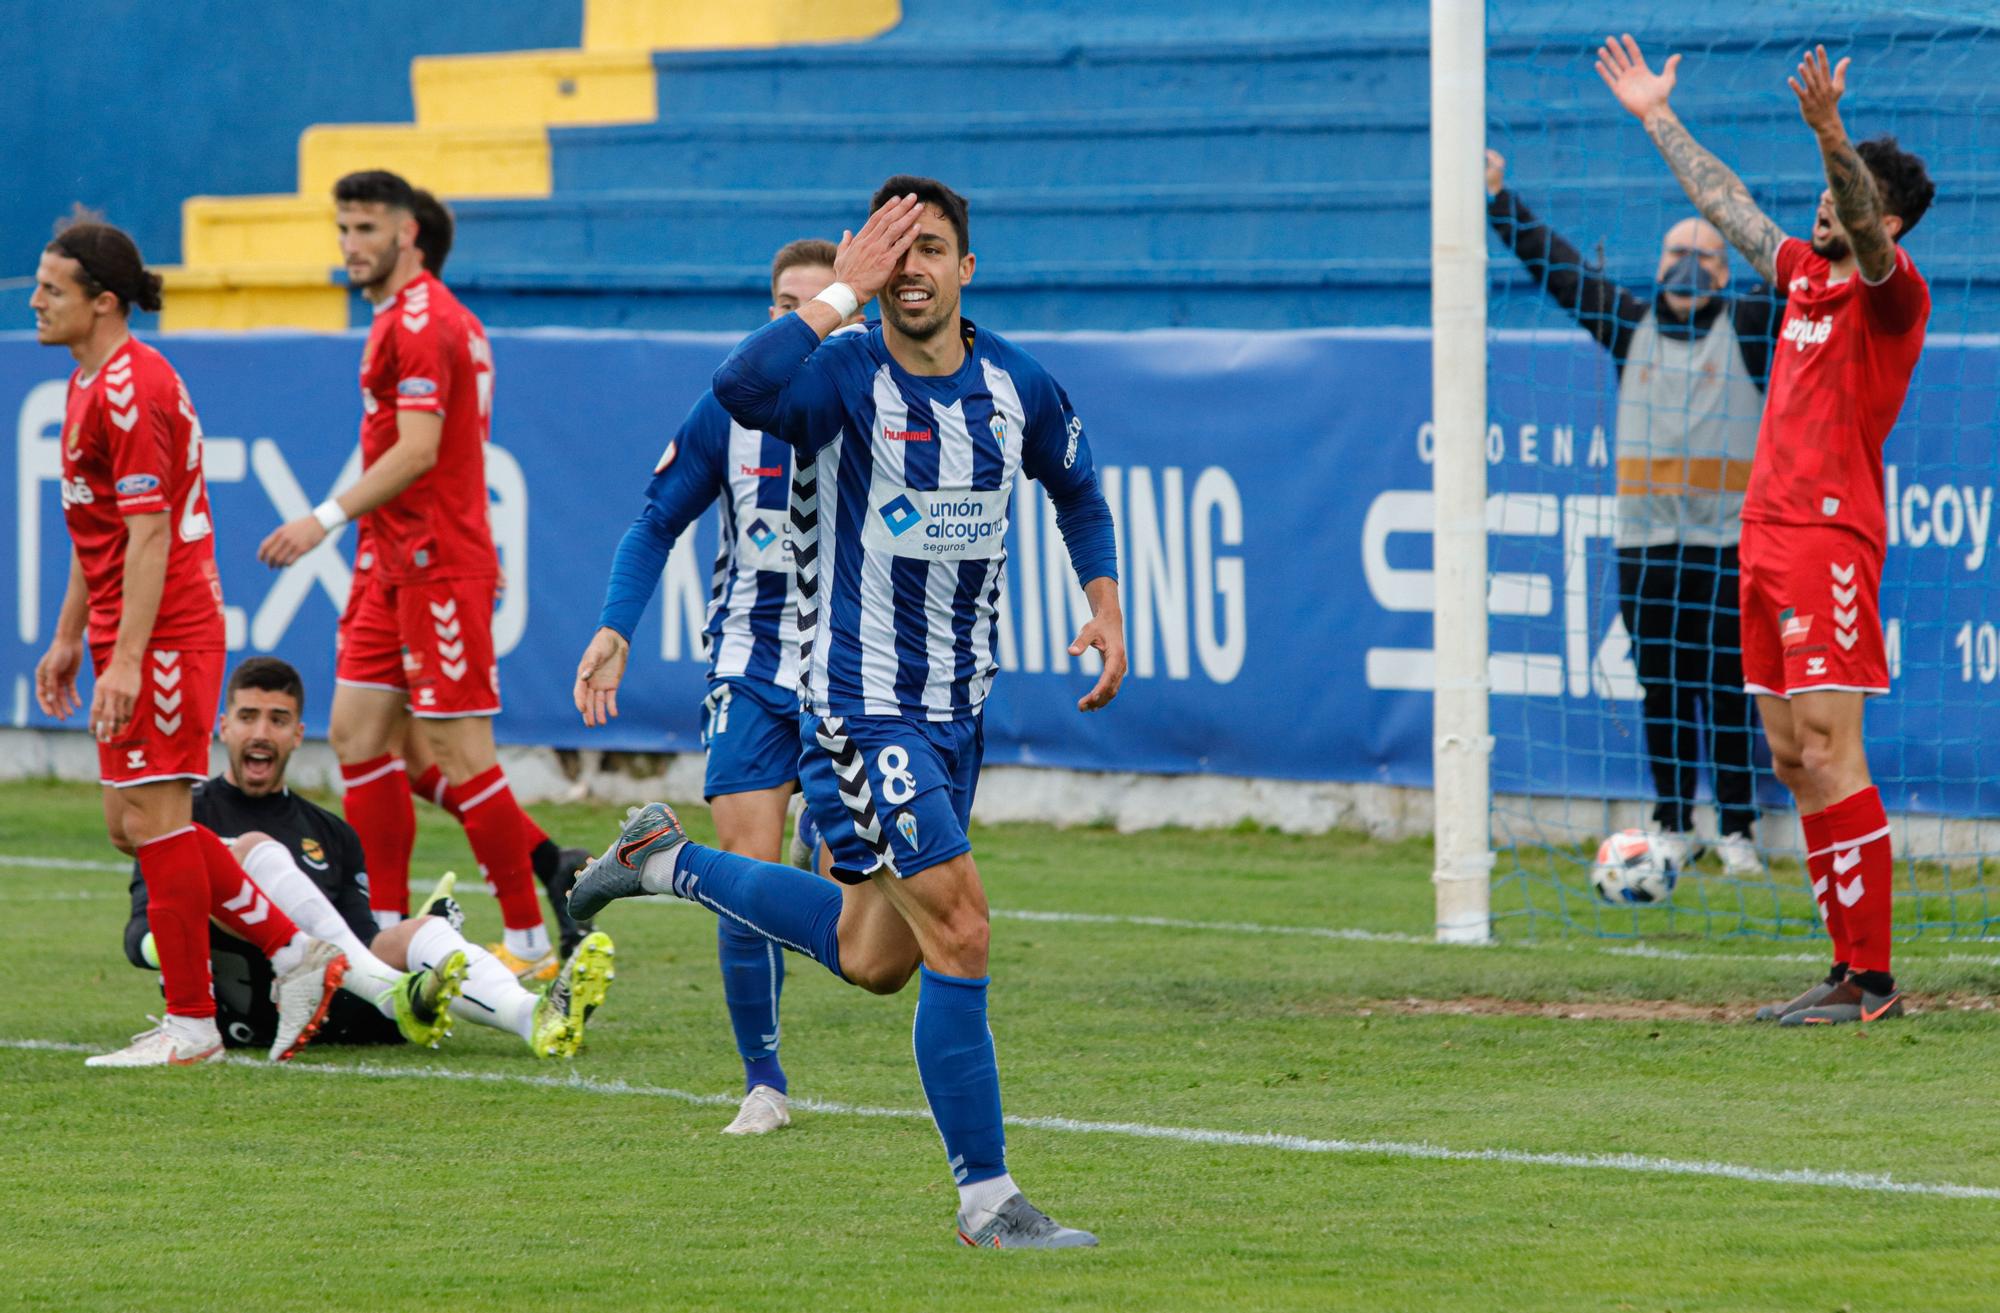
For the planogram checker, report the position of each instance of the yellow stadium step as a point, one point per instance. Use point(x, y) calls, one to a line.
point(534, 88)
point(236, 299)
point(506, 161)
point(239, 231)
point(701, 24)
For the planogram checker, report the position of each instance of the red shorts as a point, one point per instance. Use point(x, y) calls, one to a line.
point(1812, 615)
point(167, 737)
point(432, 641)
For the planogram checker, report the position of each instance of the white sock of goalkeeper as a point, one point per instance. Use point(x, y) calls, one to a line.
point(492, 997)
point(270, 864)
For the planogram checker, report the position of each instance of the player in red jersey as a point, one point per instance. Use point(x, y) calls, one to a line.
point(417, 635)
point(144, 595)
point(1814, 526)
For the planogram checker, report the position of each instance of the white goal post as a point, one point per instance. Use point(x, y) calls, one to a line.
point(1462, 744)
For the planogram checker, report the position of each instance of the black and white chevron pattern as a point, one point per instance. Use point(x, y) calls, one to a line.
point(852, 772)
point(805, 557)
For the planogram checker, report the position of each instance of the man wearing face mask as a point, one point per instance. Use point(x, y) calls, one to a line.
point(1692, 363)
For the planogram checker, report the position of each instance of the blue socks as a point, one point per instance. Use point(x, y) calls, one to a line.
point(960, 1074)
point(753, 973)
point(800, 911)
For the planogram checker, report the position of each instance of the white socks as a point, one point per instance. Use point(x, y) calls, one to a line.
point(194, 1030)
point(492, 996)
point(384, 918)
point(979, 1200)
point(288, 958)
point(530, 945)
point(657, 875)
point(270, 864)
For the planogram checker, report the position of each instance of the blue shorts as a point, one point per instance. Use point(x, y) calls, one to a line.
point(888, 792)
point(751, 731)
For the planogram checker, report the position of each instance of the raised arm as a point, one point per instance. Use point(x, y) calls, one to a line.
point(754, 383)
point(1855, 197)
point(1712, 185)
point(1607, 311)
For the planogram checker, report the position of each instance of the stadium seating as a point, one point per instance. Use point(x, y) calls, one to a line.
point(1261, 165)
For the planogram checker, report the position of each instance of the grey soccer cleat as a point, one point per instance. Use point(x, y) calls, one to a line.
point(650, 829)
point(1847, 1002)
point(1812, 997)
point(1018, 1224)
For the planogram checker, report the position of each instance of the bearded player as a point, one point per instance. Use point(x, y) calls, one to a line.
point(750, 724)
point(908, 440)
point(1814, 525)
point(143, 594)
point(417, 636)
point(405, 982)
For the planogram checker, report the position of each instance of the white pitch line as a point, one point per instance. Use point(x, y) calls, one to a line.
point(1338, 933)
point(1813, 1178)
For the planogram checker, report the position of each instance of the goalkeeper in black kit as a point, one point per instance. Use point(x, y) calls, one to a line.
point(405, 983)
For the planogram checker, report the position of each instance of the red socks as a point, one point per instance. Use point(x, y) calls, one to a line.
point(177, 913)
point(235, 901)
point(377, 802)
point(1860, 872)
point(434, 787)
point(497, 829)
point(1819, 870)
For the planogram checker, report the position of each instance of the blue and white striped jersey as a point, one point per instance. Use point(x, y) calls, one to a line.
point(900, 506)
point(753, 607)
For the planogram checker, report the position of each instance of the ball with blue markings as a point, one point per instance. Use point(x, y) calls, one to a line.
point(1631, 870)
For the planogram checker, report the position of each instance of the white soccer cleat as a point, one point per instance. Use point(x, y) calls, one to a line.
point(1739, 856)
point(303, 995)
point(764, 1110)
point(160, 1047)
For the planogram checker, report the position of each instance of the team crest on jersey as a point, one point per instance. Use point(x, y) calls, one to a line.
point(999, 427)
point(906, 825)
point(667, 456)
point(75, 441)
point(315, 856)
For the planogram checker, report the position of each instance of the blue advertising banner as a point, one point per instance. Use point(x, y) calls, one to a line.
point(1273, 504)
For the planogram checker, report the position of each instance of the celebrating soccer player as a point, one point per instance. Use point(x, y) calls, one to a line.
point(751, 714)
point(1814, 525)
point(908, 439)
point(417, 635)
point(403, 982)
point(143, 593)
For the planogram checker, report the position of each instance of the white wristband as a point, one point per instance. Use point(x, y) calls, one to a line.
point(842, 298)
point(329, 515)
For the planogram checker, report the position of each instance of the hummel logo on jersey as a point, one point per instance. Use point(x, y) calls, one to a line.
point(1815, 667)
point(1847, 861)
point(135, 759)
point(761, 471)
point(761, 534)
point(1803, 332)
point(900, 515)
point(1850, 893)
point(906, 435)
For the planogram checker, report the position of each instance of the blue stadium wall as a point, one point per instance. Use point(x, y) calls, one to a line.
point(130, 106)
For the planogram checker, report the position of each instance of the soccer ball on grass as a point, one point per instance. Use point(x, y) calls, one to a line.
point(1631, 870)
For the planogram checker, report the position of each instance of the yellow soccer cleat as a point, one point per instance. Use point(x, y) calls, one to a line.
point(575, 993)
point(543, 968)
point(423, 1000)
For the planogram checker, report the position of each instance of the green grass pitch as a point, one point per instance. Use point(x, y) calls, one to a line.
point(478, 1178)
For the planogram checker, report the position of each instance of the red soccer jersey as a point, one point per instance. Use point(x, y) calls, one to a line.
point(426, 352)
point(132, 446)
point(1839, 371)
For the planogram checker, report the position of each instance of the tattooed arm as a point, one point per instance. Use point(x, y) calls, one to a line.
point(1855, 198)
point(1712, 185)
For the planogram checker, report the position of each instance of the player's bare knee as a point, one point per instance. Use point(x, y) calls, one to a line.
point(878, 975)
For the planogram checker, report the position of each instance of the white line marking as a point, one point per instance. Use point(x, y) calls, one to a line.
point(1340, 933)
point(1872, 1182)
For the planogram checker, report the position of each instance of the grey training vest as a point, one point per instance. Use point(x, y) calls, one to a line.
point(1687, 430)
